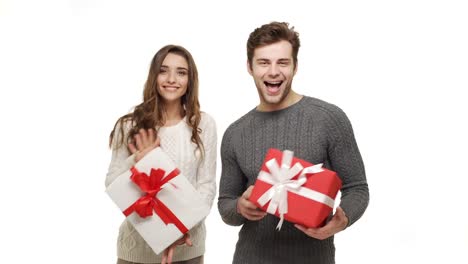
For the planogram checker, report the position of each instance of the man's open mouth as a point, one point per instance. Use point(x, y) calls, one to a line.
point(273, 85)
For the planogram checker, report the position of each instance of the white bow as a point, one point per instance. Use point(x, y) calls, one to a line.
point(280, 178)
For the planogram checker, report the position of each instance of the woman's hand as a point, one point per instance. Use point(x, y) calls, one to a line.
point(145, 141)
point(169, 252)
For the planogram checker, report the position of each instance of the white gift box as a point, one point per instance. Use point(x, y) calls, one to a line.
point(178, 195)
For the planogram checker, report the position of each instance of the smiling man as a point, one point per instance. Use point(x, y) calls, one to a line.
point(273, 69)
point(314, 130)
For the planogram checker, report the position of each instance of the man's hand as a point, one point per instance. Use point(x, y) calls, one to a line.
point(335, 225)
point(248, 209)
point(169, 252)
point(145, 141)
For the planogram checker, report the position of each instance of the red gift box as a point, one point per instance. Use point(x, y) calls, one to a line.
point(294, 189)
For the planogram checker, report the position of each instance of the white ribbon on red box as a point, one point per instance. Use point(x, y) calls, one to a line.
point(281, 180)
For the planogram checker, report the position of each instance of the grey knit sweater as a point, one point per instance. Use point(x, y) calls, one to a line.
point(316, 131)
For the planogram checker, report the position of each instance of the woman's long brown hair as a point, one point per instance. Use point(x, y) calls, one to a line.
point(150, 113)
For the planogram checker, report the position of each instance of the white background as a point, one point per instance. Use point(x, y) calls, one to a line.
point(69, 69)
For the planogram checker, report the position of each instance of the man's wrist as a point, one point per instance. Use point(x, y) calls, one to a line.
point(237, 206)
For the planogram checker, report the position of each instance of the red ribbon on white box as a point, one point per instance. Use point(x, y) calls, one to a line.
point(281, 179)
point(149, 202)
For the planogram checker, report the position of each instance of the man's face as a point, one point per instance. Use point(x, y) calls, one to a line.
point(273, 71)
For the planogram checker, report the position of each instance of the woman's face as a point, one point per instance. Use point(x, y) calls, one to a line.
point(173, 78)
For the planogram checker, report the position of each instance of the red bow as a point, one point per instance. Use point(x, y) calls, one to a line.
point(151, 185)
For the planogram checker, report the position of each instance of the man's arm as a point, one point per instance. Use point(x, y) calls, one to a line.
point(345, 159)
point(232, 184)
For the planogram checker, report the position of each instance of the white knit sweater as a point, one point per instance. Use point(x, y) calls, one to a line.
point(176, 142)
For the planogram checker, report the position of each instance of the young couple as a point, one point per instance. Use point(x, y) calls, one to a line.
point(170, 117)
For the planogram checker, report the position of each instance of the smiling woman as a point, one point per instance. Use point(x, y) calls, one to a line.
point(169, 117)
point(173, 79)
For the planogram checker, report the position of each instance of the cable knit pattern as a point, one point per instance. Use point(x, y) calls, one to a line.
point(175, 141)
point(316, 131)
